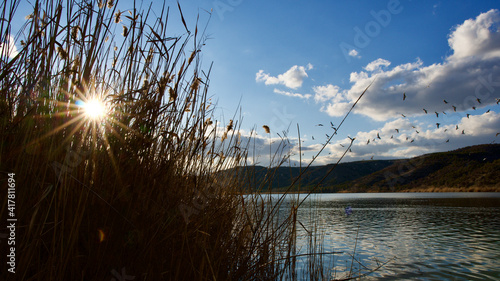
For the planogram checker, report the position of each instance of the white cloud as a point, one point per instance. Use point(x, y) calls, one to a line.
point(353, 53)
point(377, 65)
point(328, 92)
point(471, 72)
point(290, 94)
point(8, 48)
point(292, 78)
point(477, 129)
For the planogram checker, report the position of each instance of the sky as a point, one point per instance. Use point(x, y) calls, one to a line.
point(432, 69)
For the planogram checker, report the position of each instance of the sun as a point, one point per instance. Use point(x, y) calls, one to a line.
point(94, 109)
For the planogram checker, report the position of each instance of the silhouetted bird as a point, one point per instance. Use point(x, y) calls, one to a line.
point(368, 141)
point(397, 130)
point(448, 140)
point(378, 136)
point(412, 140)
point(321, 125)
point(497, 134)
point(313, 137)
point(406, 138)
point(437, 114)
point(403, 115)
point(463, 132)
point(404, 96)
point(454, 108)
point(445, 101)
point(341, 145)
point(417, 132)
point(332, 124)
point(468, 115)
point(327, 136)
point(478, 100)
point(437, 125)
point(392, 136)
point(425, 110)
point(474, 107)
point(444, 113)
point(498, 101)
point(488, 111)
point(371, 158)
point(456, 128)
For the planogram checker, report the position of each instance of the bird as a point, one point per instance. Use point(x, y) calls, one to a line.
point(468, 115)
point(463, 132)
point(406, 138)
point(327, 136)
point(445, 101)
point(392, 136)
point(378, 136)
point(444, 113)
point(413, 127)
point(456, 128)
point(417, 131)
point(448, 140)
point(445, 130)
point(425, 110)
point(404, 95)
point(403, 115)
point(437, 125)
point(321, 125)
point(350, 150)
point(313, 137)
point(454, 108)
point(397, 130)
point(332, 124)
point(437, 114)
point(412, 140)
point(368, 141)
point(498, 100)
point(497, 134)
point(371, 158)
point(478, 100)
point(488, 111)
point(341, 145)
point(474, 107)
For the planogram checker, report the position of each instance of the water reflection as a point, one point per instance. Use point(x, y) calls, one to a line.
point(433, 236)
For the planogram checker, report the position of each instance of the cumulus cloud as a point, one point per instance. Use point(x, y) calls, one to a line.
point(377, 65)
point(414, 139)
point(290, 94)
point(471, 72)
point(292, 78)
point(8, 48)
point(353, 53)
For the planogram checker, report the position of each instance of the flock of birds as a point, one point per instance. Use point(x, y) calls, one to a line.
point(397, 130)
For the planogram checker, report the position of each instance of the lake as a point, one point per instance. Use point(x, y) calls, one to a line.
point(431, 236)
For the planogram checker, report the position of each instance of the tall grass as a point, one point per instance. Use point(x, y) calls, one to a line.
point(152, 189)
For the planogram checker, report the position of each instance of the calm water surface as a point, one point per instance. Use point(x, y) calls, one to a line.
point(433, 236)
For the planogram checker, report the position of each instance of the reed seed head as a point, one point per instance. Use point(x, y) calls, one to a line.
point(266, 128)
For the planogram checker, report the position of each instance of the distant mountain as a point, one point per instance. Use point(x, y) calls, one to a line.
point(475, 168)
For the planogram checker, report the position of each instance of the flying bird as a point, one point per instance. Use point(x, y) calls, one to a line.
point(341, 145)
point(437, 125)
point(371, 158)
point(404, 95)
point(378, 136)
point(368, 141)
point(444, 113)
point(425, 110)
point(321, 125)
point(327, 136)
point(397, 130)
point(478, 100)
point(312, 137)
point(454, 108)
point(437, 114)
point(463, 132)
point(474, 107)
point(445, 101)
point(456, 128)
point(468, 115)
point(412, 140)
point(498, 101)
point(403, 115)
point(488, 111)
point(417, 131)
point(392, 136)
point(448, 140)
point(497, 134)
point(332, 124)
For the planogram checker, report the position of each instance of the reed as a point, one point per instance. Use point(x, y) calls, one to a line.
point(150, 187)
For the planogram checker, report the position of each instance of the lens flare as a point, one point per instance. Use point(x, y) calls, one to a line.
point(94, 109)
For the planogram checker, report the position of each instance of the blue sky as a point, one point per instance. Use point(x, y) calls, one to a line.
point(305, 62)
point(263, 50)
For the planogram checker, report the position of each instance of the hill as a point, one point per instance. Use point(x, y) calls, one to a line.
point(473, 168)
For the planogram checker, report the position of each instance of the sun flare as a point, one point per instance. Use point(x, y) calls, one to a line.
point(94, 109)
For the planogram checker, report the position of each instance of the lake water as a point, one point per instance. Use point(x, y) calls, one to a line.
point(433, 236)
